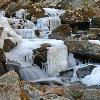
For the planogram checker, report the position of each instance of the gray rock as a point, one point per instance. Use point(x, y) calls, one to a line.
point(9, 86)
point(82, 72)
point(8, 45)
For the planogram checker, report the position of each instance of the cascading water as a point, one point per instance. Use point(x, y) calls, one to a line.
point(32, 73)
point(53, 12)
point(48, 23)
point(8, 31)
point(21, 13)
point(71, 61)
point(57, 59)
point(26, 33)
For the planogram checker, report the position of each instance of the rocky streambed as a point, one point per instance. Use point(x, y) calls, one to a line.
point(47, 53)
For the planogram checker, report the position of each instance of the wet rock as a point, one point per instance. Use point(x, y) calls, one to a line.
point(12, 8)
point(68, 74)
point(8, 45)
point(3, 68)
point(35, 11)
point(61, 32)
point(1, 30)
point(81, 92)
point(83, 49)
point(82, 72)
point(77, 15)
point(95, 22)
point(40, 55)
point(9, 86)
point(37, 33)
point(2, 56)
point(75, 91)
point(49, 82)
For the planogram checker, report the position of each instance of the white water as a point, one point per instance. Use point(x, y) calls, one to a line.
point(21, 13)
point(53, 12)
point(57, 59)
point(2, 13)
point(93, 78)
point(48, 23)
point(8, 31)
point(24, 24)
point(71, 61)
point(26, 33)
point(32, 73)
point(23, 55)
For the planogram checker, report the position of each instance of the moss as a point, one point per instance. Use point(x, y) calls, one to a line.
point(76, 94)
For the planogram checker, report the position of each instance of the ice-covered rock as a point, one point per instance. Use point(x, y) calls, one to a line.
point(8, 32)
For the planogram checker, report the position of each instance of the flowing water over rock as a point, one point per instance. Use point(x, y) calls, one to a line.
point(59, 60)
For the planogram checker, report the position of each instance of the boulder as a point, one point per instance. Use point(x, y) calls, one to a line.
point(61, 32)
point(3, 68)
point(68, 74)
point(2, 56)
point(8, 45)
point(9, 86)
point(84, 49)
point(1, 30)
point(12, 8)
point(35, 11)
point(82, 72)
point(40, 55)
point(75, 91)
point(81, 92)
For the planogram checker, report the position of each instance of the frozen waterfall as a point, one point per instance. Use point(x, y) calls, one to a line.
point(48, 23)
point(26, 33)
point(57, 59)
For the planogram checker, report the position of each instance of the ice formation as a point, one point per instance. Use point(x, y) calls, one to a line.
point(26, 33)
point(8, 31)
point(71, 61)
point(48, 23)
point(53, 12)
point(93, 78)
point(21, 13)
point(57, 59)
point(23, 54)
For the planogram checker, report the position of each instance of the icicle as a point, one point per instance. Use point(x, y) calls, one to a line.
point(57, 59)
point(71, 60)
